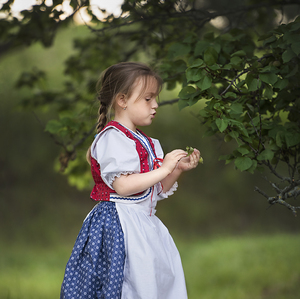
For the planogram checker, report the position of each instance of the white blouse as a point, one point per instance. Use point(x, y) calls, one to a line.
point(117, 155)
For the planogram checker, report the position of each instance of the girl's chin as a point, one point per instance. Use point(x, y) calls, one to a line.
point(145, 123)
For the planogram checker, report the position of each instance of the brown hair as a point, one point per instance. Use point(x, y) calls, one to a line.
point(120, 79)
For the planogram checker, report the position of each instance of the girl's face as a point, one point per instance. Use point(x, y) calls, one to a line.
point(141, 105)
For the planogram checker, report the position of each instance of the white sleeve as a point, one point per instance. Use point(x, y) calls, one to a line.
point(160, 154)
point(116, 155)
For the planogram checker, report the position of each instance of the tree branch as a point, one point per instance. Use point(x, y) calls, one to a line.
point(199, 16)
point(169, 102)
point(233, 81)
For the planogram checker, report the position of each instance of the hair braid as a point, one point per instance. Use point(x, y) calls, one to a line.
point(102, 120)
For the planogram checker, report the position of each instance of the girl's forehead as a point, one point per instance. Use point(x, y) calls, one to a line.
point(147, 85)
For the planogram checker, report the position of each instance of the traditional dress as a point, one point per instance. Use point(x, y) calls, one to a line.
point(123, 250)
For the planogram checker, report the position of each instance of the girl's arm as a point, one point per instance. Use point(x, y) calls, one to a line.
point(134, 183)
point(174, 164)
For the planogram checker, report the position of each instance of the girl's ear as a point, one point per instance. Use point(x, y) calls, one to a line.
point(121, 100)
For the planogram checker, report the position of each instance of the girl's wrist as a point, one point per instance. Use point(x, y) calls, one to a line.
point(178, 171)
point(165, 171)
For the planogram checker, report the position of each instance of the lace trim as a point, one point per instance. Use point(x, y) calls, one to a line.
point(170, 191)
point(113, 175)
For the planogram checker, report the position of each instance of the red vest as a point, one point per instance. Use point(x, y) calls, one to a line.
point(101, 192)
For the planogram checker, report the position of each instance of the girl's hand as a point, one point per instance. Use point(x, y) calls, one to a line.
point(189, 162)
point(172, 159)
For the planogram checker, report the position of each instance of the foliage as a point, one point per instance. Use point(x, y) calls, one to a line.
point(39, 23)
point(252, 92)
point(250, 86)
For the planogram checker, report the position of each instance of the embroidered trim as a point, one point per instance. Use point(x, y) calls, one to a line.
point(101, 192)
point(143, 139)
point(118, 198)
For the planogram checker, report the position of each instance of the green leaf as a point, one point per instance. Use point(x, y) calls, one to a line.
point(235, 60)
point(265, 36)
point(222, 124)
point(227, 67)
point(288, 55)
point(267, 69)
point(197, 63)
point(292, 138)
point(230, 94)
point(243, 163)
point(252, 82)
point(268, 92)
point(237, 108)
point(214, 67)
point(239, 53)
point(240, 126)
point(250, 107)
point(269, 40)
point(186, 92)
point(243, 150)
point(281, 84)
point(269, 78)
point(192, 101)
point(256, 120)
point(295, 26)
point(292, 72)
point(234, 134)
point(179, 49)
point(200, 47)
point(193, 74)
point(203, 113)
point(182, 104)
point(53, 126)
point(204, 83)
point(210, 56)
point(265, 155)
point(225, 157)
point(214, 92)
point(278, 139)
point(253, 167)
point(296, 47)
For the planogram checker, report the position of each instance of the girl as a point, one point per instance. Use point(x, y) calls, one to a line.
point(123, 250)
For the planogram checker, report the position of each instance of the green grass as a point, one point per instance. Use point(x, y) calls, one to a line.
point(29, 273)
point(242, 268)
point(256, 267)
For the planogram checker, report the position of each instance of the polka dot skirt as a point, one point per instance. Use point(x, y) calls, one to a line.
point(95, 268)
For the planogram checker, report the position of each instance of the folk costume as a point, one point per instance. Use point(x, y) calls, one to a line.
point(123, 250)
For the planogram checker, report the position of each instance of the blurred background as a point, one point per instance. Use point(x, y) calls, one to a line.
point(233, 244)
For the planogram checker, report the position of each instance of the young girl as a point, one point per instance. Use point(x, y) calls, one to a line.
point(123, 250)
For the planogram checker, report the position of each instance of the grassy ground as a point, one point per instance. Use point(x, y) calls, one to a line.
point(256, 267)
point(242, 268)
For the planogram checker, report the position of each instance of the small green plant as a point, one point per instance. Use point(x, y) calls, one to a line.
point(190, 150)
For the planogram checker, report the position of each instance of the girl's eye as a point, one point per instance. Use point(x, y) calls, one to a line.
point(148, 99)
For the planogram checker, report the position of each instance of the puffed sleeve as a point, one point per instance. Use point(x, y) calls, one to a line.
point(116, 155)
point(160, 154)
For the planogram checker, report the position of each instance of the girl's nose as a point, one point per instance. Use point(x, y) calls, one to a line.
point(155, 105)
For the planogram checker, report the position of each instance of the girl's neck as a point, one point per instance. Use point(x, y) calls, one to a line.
point(126, 124)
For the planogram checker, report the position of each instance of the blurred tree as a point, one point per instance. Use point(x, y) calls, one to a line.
point(238, 56)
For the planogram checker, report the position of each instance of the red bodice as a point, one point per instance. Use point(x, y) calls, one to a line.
point(101, 192)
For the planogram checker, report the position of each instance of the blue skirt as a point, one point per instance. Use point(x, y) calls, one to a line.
point(96, 266)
